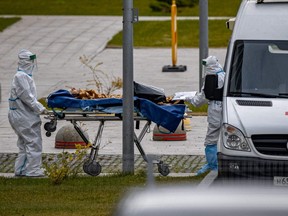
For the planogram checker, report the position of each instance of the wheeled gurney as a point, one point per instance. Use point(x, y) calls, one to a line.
point(102, 110)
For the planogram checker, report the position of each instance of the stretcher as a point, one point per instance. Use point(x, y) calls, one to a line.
point(76, 111)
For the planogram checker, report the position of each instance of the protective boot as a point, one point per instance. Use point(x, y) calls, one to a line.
point(205, 168)
point(211, 158)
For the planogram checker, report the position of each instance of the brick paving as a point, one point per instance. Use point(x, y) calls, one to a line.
point(113, 163)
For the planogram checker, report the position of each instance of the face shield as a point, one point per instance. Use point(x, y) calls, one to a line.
point(211, 65)
point(27, 62)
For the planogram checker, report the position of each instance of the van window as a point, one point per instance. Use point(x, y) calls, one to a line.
point(259, 67)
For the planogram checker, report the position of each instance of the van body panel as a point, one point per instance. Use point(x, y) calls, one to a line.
point(253, 120)
point(254, 135)
point(261, 22)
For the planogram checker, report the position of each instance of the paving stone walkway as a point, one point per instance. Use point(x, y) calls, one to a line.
point(113, 163)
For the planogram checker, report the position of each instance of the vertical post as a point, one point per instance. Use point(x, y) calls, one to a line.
point(128, 93)
point(174, 32)
point(174, 38)
point(203, 36)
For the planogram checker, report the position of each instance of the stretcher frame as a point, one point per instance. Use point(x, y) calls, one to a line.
point(91, 166)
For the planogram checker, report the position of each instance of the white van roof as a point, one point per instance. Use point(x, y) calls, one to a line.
point(259, 21)
point(271, 1)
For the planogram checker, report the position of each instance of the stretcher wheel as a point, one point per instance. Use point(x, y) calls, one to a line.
point(48, 134)
point(49, 127)
point(163, 169)
point(85, 166)
point(92, 168)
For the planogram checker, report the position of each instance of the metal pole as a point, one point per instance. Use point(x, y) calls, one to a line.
point(174, 32)
point(203, 36)
point(174, 67)
point(128, 93)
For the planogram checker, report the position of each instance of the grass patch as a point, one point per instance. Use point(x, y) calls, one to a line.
point(202, 110)
point(6, 22)
point(78, 196)
point(104, 7)
point(158, 34)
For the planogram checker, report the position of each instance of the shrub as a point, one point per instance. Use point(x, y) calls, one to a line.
point(66, 164)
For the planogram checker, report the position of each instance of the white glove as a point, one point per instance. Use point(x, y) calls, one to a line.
point(188, 99)
point(198, 100)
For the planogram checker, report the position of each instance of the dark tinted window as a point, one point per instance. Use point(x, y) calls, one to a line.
point(259, 67)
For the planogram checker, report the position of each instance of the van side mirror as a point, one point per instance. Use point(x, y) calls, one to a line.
point(230, 23)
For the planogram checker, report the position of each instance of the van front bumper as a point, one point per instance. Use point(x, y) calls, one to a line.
point(250, 167)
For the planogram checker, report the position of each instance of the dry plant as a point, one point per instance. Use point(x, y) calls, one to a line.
point(104, 83)
point(66, 165)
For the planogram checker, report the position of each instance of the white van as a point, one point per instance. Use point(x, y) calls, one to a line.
point(254, 135)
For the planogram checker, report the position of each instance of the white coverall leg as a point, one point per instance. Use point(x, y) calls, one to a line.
point(29, 159)
point(24, 117)
point(214, 120)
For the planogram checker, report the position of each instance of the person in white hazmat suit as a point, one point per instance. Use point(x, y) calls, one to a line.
point(24, 117)
point(211, 93)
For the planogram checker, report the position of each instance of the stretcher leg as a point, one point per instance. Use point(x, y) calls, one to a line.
point(163, 169)
point(91, 166)
point(80, 132)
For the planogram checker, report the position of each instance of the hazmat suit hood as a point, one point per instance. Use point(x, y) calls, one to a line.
point(27, 62)
point(212, 66)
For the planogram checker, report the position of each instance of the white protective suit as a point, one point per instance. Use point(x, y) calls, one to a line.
point(214, 117)
point(24, 117)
